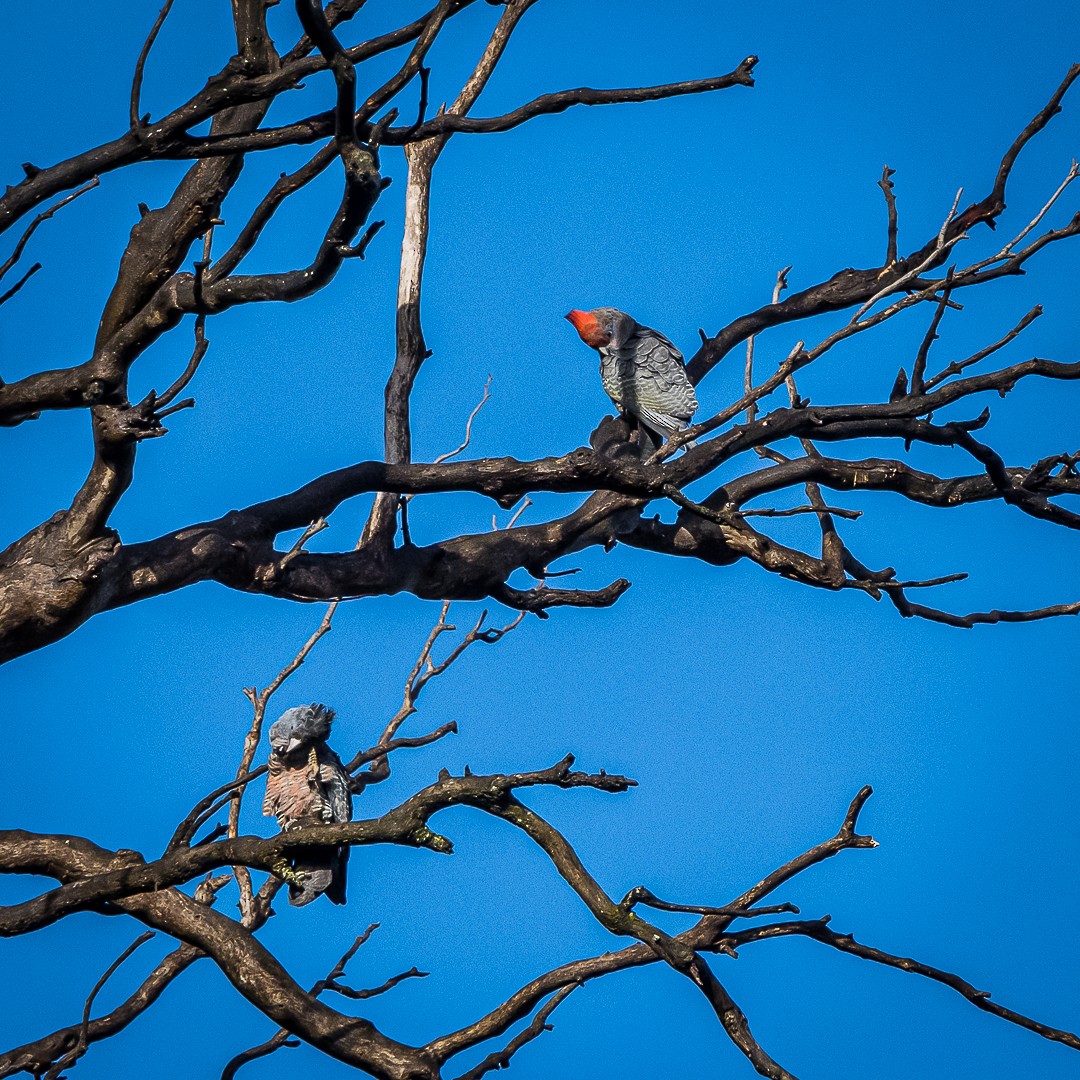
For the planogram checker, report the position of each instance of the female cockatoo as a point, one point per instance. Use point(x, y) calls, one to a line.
point(308, 785)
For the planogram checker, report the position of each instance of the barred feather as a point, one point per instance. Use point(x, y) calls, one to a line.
point(308, 787)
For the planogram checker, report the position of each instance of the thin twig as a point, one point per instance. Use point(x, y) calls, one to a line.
point(500, 1059)
point(80, 1047)
point(281, 1037)
point(5, 297)
point(259, 702)
point(956, 367)
point(918, 369)
point(463, 445)
point(748, 375)
point(886, 185)
point(16, 253)
point(136, 82)
point(838, 511)
point(640, 895)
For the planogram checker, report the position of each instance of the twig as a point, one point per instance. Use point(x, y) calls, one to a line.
point(463, 445)
point(929, 583)
point(560, 100)
point(500, 1059)
point(748, 374)
point(423, 671)
point(514, 517)
point(376, 752)
point(422, 106)
point(818, 929)
point(136, 82)
point(958, 366)
point(1074, 171)
point(80, 1047)
point(375, 991)
point(16, 253)
point(918, 369)
point(836, 511)
point(259, 701)
point(281, 1037)
point(206, 807)
point(886, 185)
point(359, 249)
point(640, 895)
point(5, 297)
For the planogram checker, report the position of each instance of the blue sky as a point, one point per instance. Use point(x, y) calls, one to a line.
point(750, 709)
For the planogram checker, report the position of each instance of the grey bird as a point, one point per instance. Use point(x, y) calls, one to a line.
point(308, 785)
point(642, 372)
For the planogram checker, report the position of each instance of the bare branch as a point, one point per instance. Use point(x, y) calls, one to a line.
point(17, 251)
point(4, 298)
point(918, 370)
point(282, 1038)
point(640, 895)
point(957, 367)
point(81, 1044)
point(562, 100)
point(463, 445)
point(135, 118)
point(818, 929)
point(836, 511)
point(886, 185)
point(500, 1059)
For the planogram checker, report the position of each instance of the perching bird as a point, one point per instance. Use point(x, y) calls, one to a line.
point(642, 372)
point(308, 785)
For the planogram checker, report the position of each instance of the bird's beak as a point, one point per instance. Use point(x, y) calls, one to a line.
point(581, 320)
point(589, 329)
point(294, 742)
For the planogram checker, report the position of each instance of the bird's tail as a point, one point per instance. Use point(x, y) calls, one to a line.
point(335, 891)
point(655, 427)
point(323, 871)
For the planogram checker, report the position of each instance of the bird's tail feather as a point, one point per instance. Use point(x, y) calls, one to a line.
point(335, 891)
point(655, 427)
point(318, 868)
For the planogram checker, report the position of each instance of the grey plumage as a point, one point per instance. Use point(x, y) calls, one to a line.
point(641, 370)
point(308, 785)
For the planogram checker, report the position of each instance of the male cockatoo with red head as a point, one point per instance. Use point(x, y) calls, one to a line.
point(642, 372)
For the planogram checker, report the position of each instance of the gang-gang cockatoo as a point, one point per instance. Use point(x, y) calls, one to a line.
point(308, 785)
point(642, 372)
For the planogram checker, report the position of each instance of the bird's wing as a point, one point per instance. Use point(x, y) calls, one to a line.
point(659, 377)
point(272, 798)
point(648, 331)
point(335, 783)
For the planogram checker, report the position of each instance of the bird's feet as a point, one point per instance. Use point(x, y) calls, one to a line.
point(283, 870)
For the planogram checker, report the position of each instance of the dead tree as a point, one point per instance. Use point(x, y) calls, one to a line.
point(74, 565)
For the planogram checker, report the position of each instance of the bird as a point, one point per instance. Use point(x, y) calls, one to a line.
point(308, 785)
point(642, 372)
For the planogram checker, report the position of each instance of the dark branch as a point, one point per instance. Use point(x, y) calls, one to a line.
point(818, 929)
